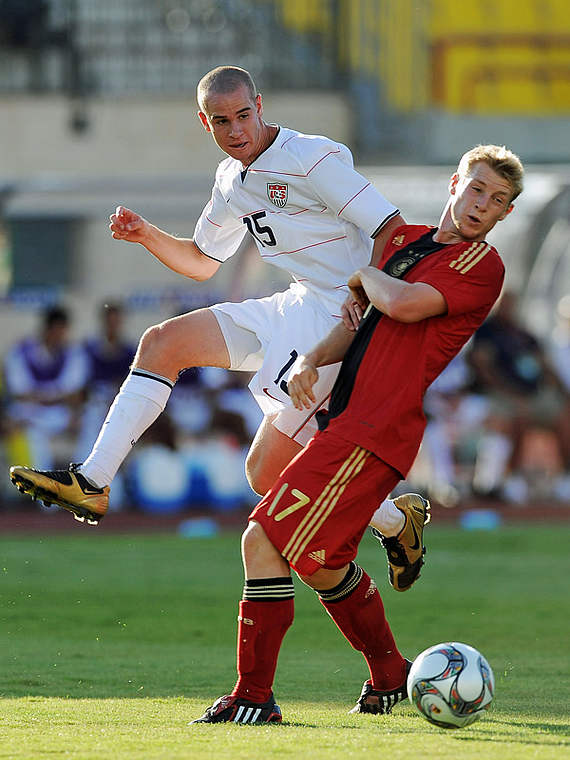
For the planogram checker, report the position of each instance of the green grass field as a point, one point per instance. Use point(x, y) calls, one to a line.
point(109, 645)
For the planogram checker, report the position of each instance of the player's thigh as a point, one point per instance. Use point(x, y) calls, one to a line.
point(316, 512)
point(270, 452)
point(189, 340)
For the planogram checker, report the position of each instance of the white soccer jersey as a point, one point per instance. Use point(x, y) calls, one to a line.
point(308, 210)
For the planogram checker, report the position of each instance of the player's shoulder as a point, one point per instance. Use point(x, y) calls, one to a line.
point(475, 256)
point(307, 149)
point(408, 233)
point(227, 167)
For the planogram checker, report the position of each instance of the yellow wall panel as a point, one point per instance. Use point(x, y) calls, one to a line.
point(516, 79)
point(483, 56)
point(497, 16)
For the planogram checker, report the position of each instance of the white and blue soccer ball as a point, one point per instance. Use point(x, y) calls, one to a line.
point(451, 685)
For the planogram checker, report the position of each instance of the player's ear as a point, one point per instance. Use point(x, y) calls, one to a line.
point(453, 183)
point(507, 211)
point(258, 104)
point(204, 119)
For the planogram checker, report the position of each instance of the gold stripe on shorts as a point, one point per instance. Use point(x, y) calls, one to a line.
point(324, 504)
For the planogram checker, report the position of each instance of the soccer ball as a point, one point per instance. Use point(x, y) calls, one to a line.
point(451, 685)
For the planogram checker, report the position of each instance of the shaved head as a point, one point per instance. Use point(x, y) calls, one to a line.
point(221, 81)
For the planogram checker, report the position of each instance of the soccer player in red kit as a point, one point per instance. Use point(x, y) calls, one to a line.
point(432, 289)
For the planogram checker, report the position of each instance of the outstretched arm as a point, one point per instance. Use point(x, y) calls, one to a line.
point(398, 299)
point(305, 373)
point(181, 255)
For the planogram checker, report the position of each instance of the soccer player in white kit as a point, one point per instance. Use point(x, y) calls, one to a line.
point(309, 213)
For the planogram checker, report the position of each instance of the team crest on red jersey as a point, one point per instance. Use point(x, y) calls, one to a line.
point(277, 193)
point(398, 240)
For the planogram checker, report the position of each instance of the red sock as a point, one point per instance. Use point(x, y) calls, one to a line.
point(261, 628)
point(361, 619)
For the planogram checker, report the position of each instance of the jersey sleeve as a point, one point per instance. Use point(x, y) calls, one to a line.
point(347, 193)
point(470, 280)
point(218, 234)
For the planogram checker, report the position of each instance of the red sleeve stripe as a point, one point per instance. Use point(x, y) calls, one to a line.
point(287, 140)
point(249, 213)
point(283, 253)
point(292, 174)
point(353, 197)
point(214, 223)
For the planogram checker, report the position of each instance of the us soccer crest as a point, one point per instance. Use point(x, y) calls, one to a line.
point(277, 193)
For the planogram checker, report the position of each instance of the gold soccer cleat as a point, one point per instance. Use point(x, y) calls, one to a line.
point(66, 488)
point(406, 551)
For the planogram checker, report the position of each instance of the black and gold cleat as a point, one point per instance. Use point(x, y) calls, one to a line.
point(68, 489)
point(406, 551)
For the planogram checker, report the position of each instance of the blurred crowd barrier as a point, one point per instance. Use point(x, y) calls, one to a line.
point(56, 394)
point(498, 417)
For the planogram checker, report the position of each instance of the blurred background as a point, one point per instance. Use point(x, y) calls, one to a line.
point(98, 108)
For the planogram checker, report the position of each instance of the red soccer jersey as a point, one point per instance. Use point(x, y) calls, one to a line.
point(384, 412)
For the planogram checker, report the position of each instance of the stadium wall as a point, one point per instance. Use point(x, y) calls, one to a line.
point(134, 136)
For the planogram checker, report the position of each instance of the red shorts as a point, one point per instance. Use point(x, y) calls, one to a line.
point(318, 509)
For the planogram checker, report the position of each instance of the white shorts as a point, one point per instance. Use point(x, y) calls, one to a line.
point(265, 336)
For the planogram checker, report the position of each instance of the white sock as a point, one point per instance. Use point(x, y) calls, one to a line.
point(141, 399)
point(388, 519)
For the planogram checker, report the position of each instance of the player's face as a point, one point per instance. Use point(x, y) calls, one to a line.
point(234, 120)
point(479, 200)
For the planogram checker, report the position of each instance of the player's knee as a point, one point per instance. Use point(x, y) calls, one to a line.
point(257, 474)
point(312, 581)
point(158, 345)
point(254, 542)
point(323, 578)
point(151, 340)
point(262, 468)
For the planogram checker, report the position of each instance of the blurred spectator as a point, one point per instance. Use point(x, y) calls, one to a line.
point(559, 345)
point(524, 432)
point(454, 419)
point(499, 416)
point(45, 378)
point(234, 397)
point(171, 471)
point(108, 357)
point(190, 403)
point(559, 353)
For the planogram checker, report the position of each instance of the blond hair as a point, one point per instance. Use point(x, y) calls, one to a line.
point(499, 158)
point(223, 80)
